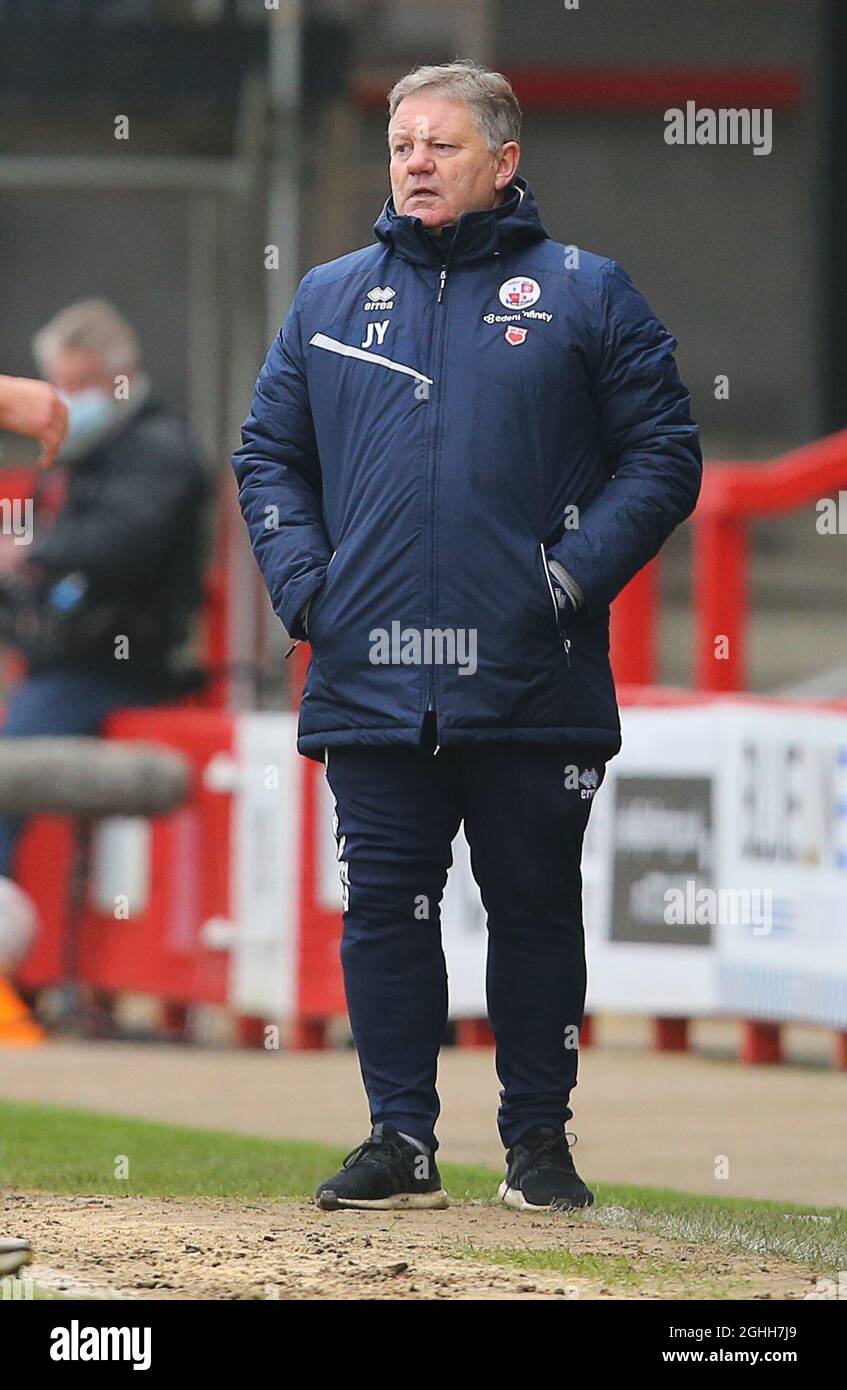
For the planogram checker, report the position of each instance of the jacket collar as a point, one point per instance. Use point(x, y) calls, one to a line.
point(476, 235)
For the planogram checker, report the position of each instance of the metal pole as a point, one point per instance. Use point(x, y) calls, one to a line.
point(246, 601)
point(284, 197)
point(205, 344)
point(284, 191)
point(476, 30)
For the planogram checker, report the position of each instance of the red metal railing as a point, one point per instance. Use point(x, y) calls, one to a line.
point(733, 495)
point(626, 91)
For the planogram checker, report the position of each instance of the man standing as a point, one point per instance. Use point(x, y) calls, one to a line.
point(465, 441)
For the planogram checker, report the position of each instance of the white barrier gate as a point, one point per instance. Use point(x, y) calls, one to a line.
point(733, 811)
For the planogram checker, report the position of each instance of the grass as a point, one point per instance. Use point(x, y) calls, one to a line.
point(807, 1235)
point(56, 1150)
point(616, 1273)
point(611, 1269)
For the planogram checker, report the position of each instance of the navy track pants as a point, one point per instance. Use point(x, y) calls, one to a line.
point(525, 813)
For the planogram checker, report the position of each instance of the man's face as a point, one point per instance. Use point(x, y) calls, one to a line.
point(78, 369)
point(440, 164)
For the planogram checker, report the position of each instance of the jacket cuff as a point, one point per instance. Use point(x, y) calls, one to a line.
point(303, 616)
point(567, 582)
point(295, 602)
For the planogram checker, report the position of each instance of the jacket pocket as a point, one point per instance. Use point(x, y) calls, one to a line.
point(562, 636)
point(317, 603)
point(549, 580)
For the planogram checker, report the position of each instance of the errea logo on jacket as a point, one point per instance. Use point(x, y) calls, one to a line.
point(380, 299)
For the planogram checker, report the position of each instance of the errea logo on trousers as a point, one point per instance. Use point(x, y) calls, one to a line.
point(588, 783)
point(585, 781)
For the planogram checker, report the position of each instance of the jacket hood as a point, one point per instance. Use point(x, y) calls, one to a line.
point(476, 234)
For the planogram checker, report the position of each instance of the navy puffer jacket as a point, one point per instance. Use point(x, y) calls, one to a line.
point(433, 426)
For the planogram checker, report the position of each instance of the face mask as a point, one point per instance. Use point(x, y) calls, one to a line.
point(91, 415)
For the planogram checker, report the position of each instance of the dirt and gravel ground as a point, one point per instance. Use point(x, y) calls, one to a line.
point(178, 1249)
point(643, 1118)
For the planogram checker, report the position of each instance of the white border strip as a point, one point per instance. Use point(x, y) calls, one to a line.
point(345, 350)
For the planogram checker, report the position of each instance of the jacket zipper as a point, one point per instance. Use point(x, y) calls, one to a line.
point(564, 640)
point(438, 357)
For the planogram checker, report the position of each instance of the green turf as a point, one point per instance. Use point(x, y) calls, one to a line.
point(56, 1150)
point(616, 1273)
point(614, 1269)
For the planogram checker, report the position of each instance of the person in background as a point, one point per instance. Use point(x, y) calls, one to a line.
point(104, 599)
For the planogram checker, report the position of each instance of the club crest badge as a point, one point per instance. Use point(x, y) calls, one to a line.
point(519, 292)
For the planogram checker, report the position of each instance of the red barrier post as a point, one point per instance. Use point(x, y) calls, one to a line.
point(634, 629)
point(761, 1043)
point(474, 1032)
point(720, 601)
point(320, 992)
point(670, 1034)
point(308, 1035)
point(249, 1032)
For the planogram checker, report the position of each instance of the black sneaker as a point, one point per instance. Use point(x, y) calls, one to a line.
point(540, 1175)
point(386, 1173)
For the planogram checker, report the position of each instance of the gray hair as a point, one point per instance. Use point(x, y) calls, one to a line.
point(93, 325)
point(489, 95)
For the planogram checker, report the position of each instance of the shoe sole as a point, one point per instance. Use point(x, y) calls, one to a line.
point(513, 1197)
point(401, 1201)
